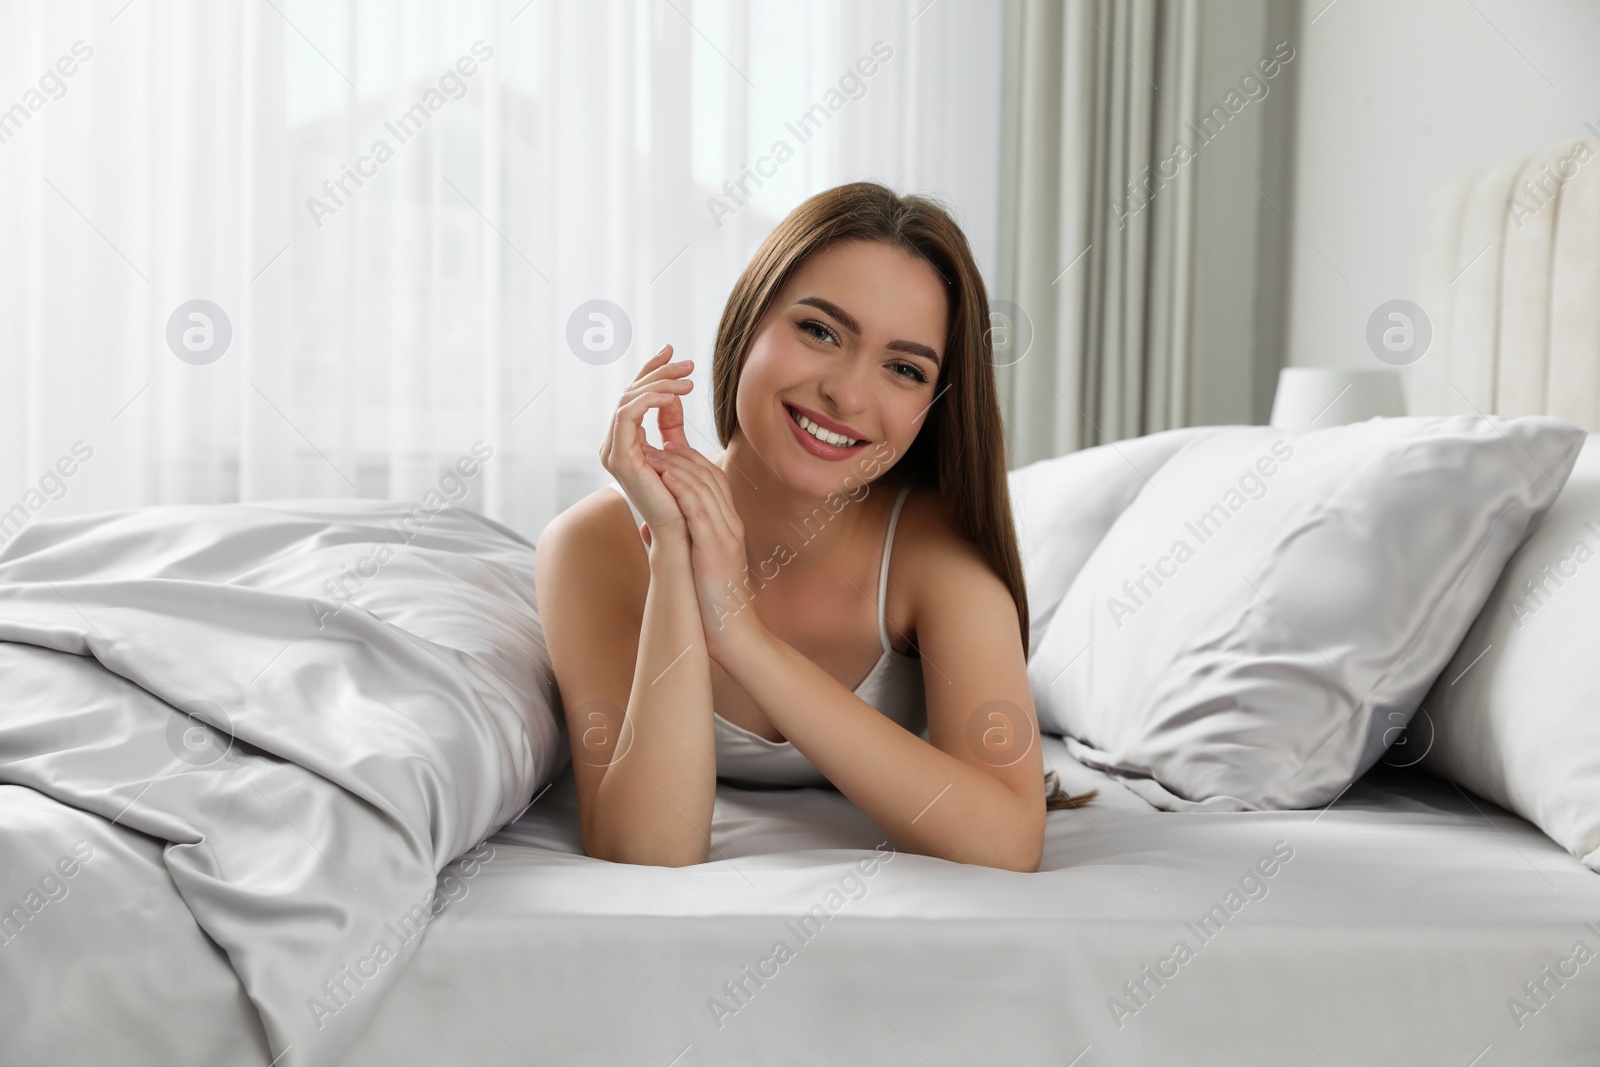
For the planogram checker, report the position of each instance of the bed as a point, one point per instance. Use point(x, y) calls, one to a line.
point(1407, 917)
point(222, 786)
point(1404, 920)
point(1508, 281)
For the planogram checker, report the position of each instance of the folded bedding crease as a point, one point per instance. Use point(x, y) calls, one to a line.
point(309, 708)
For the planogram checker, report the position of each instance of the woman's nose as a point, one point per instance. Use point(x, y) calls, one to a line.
point(845, 387)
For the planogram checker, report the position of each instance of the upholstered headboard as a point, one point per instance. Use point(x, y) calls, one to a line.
point(1511, 283)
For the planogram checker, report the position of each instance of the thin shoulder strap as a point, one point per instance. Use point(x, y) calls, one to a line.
point(883, 569)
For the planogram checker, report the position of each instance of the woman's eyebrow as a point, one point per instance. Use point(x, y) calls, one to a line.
point(848, 322)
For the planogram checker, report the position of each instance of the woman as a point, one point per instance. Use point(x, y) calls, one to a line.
point(855, 401)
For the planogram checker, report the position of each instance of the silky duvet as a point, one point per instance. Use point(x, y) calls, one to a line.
point(240, 745)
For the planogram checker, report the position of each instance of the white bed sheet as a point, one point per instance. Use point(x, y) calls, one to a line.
point(1408, 918)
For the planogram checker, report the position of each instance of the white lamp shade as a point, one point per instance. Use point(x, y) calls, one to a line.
point(1312, 398)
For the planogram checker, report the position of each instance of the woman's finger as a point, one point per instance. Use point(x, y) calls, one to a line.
point(635, 408)
point(718, 482)
point(668, 377)
point(631, 434)
point(696, 516)
point(698, 494)
point(669, 420)
point(654, 361)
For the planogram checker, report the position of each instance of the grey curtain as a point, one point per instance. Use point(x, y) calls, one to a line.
point(1093, 289)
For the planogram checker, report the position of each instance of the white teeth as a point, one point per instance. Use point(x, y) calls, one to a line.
point(822, 435)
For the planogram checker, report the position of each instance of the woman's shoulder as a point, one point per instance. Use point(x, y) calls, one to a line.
point(924, 538)
point(597, 533)
point(604, 513)
point(947, 577)
point(928, 541)
point(924, 526)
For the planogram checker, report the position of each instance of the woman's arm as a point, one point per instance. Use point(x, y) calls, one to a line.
point(974, 792)
point(646, 780)
point(927, 800)
point(654, 803)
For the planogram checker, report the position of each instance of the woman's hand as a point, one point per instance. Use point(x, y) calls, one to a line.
point(661, 385)
point(716, 544)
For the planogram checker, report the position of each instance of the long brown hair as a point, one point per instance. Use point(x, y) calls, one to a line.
point(960, 450)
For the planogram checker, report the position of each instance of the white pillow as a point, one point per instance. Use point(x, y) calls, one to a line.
point(1515, 716)
point(1063, 506)
point(1257, 625)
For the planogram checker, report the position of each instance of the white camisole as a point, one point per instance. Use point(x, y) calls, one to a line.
point(894, 687)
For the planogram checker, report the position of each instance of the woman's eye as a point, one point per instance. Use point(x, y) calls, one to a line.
point(818, 331)
point(827, 334)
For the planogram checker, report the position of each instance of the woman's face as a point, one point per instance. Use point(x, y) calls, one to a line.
point(852, 342)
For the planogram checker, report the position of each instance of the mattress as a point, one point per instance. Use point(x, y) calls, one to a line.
point(1407, 923)
point(1398, 926)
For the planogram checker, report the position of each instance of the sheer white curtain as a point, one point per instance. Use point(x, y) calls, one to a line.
point(398, 213)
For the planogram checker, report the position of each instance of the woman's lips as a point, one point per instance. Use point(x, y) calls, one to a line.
point(826, 423)
point(820, 449)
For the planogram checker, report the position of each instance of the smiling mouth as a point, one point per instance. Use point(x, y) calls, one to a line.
point(811, 429)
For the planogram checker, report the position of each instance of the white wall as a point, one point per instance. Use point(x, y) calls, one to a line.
point(1396, 97)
